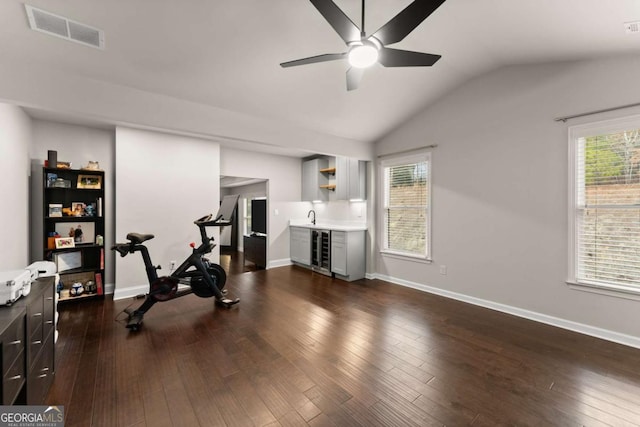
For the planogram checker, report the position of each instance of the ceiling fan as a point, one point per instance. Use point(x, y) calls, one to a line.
point(364, 50)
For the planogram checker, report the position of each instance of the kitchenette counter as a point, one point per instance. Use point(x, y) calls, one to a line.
point(329, 226)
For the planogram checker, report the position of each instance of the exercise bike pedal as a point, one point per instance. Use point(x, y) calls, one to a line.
point(226, 302)
point(135, 321)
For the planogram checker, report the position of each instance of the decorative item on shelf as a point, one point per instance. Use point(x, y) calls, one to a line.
point(92, 166)
point(67, 211)
point(99, 240)
point(90, 210)
point(76, 289)
point(93, 182)
point(82, 233)
point(52, 158)
point(51, 240)
point(61, 183)
point(77, 208)
point(59, 287)
point(55, 210)
point(51, 179)
point(65, 242)
point(90, 287)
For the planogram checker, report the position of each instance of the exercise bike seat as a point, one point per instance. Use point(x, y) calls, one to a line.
point(137, 238)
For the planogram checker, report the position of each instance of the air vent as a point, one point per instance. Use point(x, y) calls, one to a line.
point(59, 26)
point(632, 27)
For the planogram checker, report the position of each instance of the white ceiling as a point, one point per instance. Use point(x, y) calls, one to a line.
point(227, 53)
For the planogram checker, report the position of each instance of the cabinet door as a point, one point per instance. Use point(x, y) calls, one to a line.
point(357, 180)
point(339, 252)
point(301, 245)
point(342, 178)
point(312, 178)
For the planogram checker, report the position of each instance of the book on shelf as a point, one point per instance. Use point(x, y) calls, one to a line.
point(102, 259)
point(99, 284)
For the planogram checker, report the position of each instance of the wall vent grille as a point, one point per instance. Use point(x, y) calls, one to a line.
point(59, 26)
point(632, 27)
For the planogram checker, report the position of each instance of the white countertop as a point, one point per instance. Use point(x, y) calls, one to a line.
point(329, 226)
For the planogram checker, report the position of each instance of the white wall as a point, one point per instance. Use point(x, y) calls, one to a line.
point(284, 191)
point(500, 196)
point(163, 183)
point(15, 139)
point(64, 93)
point(78, 145)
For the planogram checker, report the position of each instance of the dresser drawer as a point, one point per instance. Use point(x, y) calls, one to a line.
point(41, 375)
point(12, 342)
point(13, 380)
point(48, 318)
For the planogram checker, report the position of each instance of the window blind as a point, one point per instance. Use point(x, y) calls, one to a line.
point(406, 208)
point(608, 209)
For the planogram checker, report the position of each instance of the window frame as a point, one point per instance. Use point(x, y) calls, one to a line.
point(391, 161)
point(575, 133)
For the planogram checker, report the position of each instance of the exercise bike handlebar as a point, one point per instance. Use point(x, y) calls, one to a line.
point(206, 221)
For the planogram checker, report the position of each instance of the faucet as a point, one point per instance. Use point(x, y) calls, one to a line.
point(313, 221)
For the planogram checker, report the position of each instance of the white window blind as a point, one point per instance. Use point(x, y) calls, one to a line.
point(607, 209)
point(406, 206)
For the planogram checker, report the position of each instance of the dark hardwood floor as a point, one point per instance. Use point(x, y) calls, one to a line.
point(303, 349)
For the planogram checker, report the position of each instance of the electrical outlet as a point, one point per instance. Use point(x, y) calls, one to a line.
point(443, 270)
point(172, 265)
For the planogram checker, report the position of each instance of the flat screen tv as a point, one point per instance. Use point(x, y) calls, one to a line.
point(259, 216)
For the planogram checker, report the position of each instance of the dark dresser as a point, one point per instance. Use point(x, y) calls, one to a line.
point(28, 346)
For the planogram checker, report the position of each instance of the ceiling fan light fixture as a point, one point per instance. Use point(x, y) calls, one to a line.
point(363, 56)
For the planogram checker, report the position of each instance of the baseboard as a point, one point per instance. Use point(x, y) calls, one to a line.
point(279, 263)
point(130, 292)
point(604, 334)
point(109, 288)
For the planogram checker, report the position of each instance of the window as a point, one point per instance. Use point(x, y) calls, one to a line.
point(406, 224)
point(605, 208)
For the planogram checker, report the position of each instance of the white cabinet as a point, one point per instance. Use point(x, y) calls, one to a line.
point(350, 179)
point(348, 254)
point(300, 245)
point(313, 178)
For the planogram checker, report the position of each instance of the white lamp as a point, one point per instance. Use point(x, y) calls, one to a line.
point(363, 55)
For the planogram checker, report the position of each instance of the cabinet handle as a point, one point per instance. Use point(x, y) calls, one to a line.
point(36, 342)
point(16, 342)
point(17, 377)
point(49, 322)
point(37, 314)
point(42, 376)
point(44, 369)
point(49, 298)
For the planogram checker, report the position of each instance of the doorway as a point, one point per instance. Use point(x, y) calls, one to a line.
point(232, 238)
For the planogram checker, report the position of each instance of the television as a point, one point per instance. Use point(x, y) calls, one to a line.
point(259, 216)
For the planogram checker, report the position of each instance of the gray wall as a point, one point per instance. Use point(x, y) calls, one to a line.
point(500, 198)
point(15, 139)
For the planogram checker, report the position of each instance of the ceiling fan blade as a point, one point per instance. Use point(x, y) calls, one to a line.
point(354, 76)
point(338, 20)
point(406, 21)
point(313, 59)
point(406, 58)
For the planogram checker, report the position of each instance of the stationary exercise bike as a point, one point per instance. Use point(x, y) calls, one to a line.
point(196, 274)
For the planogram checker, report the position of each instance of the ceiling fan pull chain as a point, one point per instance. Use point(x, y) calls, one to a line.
point(362, 33)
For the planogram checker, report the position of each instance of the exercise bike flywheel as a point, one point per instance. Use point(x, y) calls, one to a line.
point(164, 288)
point(202, 289)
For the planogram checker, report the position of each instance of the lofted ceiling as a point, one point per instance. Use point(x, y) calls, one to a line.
point(227, 54)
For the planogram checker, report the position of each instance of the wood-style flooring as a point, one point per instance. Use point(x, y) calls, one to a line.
point(303, 349)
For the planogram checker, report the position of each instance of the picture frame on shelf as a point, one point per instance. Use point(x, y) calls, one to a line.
point(66, 261)
point(82, 233)
point(77, 209)
point(55, 210)
point(91, 182)
point(65, 242)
